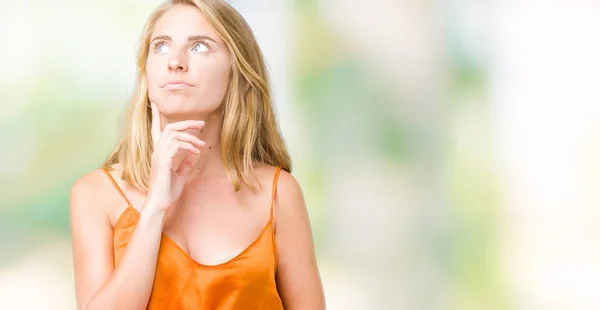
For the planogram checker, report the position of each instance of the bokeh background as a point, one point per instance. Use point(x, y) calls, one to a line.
point(448, 150)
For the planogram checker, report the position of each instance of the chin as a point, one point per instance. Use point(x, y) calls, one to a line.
point(184, 108)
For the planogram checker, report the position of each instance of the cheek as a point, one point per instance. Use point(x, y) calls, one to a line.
point(214, 82)
point(152, 76)
point(151, 71)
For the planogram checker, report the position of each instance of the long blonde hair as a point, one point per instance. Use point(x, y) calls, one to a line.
point(249, 134)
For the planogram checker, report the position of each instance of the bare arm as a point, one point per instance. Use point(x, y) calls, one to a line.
point(97, 286)
point(298, 280)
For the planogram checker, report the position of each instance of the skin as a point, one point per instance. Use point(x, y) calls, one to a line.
point(190, 198)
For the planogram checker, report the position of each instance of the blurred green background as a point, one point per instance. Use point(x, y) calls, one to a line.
point(448, 150)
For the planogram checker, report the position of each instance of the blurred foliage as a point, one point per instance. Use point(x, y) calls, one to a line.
point(61, 134)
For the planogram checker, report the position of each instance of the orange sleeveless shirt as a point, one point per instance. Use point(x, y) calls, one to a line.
point(246, 281)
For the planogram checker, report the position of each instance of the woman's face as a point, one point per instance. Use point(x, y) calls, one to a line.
point(188, 64)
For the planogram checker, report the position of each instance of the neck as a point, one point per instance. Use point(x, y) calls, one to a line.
point(210, 161)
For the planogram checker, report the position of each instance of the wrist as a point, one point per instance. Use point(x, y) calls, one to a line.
point(150, 211)
point(154, 204)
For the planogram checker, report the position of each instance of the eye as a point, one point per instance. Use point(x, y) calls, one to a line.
point(200, 47)
point(160, 47)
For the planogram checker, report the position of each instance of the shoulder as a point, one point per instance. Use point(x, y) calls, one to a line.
point(90, 193)
point(286, 184)
point(88, 184)
point(288, 188)
point(289, 204)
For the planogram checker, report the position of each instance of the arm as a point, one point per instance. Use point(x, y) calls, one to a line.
point(298, 280)
point(97, 284)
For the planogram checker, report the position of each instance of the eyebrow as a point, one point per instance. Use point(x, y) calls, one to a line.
point(190, 38)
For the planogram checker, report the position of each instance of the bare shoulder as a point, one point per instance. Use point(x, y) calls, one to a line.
point(287, 185)
point(89, 186)
point(289, 198)
point(91, 233)
point(90, 193)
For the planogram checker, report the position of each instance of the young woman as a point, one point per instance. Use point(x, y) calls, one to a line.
point(196, 207)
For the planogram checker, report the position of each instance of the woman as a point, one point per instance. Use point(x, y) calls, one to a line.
point(195, 208)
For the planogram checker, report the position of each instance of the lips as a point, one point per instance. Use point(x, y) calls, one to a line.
point(176, 84)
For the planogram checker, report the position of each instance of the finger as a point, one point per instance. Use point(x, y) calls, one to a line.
point(182, 146)
point(191, 159)
point(178, 151)
point(184, 169)
point(185, 125)
point(155, 129)
point(184, 136)
point(182, 151)
point(170, 135)
point(170, 129)
point(188, 164)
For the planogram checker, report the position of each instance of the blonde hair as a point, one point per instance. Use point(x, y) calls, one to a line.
point(249, 134)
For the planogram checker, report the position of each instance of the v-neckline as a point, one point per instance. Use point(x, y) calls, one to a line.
point(186, 254)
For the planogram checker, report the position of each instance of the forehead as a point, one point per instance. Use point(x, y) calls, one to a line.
point(182, 21)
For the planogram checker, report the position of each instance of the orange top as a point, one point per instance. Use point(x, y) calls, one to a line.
point(246, 281)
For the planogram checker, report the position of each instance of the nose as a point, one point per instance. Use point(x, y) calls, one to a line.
point(177, 62)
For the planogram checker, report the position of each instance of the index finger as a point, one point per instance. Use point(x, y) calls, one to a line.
point(155, 130)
